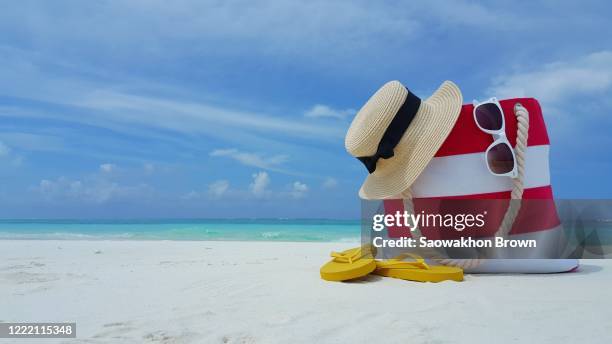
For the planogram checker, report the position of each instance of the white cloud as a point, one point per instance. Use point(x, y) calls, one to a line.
point(33, 142)
point(8, 157)
point(148, 168)
point(131, 110)
point(299, 189)
point(250, 159)
point(258, 188)
point(191, 117)
point(140, 104)
point(191, 195)
point(260, 183)
point(92, 190)
point(108, 168)
point(471, 14)
point(4, 150)
point(324, 111)
point(218, 188)
point(273, 27)
point(558, 82)
point(330, 183)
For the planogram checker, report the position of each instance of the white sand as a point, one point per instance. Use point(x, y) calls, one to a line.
point(236, 292)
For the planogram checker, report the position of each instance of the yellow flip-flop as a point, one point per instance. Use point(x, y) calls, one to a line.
point(350, 264)
point(417, 270)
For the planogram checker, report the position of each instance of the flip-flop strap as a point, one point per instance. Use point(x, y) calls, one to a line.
point(398, 262)
point(342, 257)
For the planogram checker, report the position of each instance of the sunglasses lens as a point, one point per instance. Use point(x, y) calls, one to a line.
point(500, 159)
point(489, 116)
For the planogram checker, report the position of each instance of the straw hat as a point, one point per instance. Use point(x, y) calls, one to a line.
point(395, 135)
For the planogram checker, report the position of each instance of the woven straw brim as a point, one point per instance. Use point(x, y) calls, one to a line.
point(432, 124)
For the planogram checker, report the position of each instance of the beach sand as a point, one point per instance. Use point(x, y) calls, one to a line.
point(270, 292)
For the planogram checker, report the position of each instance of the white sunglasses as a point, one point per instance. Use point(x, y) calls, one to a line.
point(499, 157)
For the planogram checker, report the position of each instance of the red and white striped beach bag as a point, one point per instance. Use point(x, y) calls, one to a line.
point(459, 171)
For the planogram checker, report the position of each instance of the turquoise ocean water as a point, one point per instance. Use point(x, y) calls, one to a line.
point(315, 230)
point(242, 230)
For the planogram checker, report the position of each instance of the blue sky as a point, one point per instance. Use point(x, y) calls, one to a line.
point(239, 108)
